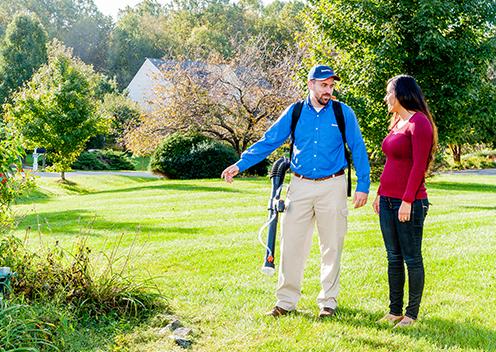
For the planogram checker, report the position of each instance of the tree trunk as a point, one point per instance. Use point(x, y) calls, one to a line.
point(456, 149)
point(62, 176)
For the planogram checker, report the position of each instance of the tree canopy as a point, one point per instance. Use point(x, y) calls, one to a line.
point(57, 108)
point(446, 45)
point(22, 52)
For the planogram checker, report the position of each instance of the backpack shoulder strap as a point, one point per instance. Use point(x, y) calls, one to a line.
point(338, 113)
point(295, 116)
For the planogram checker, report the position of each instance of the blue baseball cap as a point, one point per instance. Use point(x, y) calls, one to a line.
point(321, 72)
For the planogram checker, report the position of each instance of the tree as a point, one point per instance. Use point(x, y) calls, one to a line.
point(88, 37)
point(233, 101)
point(125, 116)
point(22, 53)
point(13, 182)
point(132, 40)
point(446, 45)
point(77, 23)
point(57, 108)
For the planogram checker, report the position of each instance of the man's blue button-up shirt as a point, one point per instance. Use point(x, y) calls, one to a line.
point(318, 147)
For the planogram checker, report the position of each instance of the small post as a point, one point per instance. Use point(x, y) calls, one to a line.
point(35, 160)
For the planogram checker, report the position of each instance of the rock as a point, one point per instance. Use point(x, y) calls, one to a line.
point(184, 343)
point(175, 324)
point(182, 332)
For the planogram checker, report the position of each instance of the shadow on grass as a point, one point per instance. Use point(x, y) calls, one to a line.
point(478, 208)
point(34, 196)
point(85, 222)
point(172, 187)
point(463, 186)
point(442, 333)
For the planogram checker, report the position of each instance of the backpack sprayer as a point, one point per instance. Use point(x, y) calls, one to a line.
point(276, 206)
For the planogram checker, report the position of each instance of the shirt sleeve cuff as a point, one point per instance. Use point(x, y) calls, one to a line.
point(362, 188)
point(241, 164)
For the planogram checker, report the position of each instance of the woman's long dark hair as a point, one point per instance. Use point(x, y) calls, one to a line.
point(410, 96)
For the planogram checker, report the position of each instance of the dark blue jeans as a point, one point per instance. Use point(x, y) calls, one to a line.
point(403, 242)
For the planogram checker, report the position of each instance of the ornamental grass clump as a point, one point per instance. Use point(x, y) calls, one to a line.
point(72, 278)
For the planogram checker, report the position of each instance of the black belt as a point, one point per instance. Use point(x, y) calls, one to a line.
point(339, 173)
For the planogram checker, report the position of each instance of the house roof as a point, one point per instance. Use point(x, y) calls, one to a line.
point(168, 64)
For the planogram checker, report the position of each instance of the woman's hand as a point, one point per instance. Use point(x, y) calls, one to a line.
point(375, 204)
point(404, 211)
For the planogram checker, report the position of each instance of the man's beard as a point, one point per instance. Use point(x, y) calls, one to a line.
point(322, 97)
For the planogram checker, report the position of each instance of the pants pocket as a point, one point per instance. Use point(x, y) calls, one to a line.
point(419, 212)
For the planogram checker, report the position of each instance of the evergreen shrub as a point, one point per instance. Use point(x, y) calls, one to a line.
point(191, 156)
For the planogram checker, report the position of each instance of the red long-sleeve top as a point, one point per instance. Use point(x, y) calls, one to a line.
point(407, 152)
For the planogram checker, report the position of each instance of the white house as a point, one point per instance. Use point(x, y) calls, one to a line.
point(142, 87)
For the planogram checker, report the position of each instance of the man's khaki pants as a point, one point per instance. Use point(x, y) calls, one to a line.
point(310, 201)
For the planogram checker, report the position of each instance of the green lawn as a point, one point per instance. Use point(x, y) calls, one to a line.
point(199, 239)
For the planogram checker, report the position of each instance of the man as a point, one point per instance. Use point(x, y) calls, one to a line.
point(317, 192)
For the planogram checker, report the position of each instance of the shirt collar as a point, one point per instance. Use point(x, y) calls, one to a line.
point(310, 106)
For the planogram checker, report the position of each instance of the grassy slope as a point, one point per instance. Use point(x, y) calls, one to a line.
point(199, 239)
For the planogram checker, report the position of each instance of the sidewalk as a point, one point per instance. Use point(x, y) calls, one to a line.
point(148, 174)
point(471, 172)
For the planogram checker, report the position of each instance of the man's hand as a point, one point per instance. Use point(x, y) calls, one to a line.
point(360, 199)
point(375, 205)
point(229, 173)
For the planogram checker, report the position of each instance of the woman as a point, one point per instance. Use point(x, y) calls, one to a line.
point(401, 200)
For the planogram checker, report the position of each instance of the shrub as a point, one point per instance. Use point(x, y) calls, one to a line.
point(191, 156)
point(103, 160)
point(484, 159)
point(116, 160)
point(260, 169)
point(89, 161)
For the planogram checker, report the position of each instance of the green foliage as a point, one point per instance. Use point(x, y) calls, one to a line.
point(57, 108)
point(22, 329)
point(260, 169)
point(481, 160)
point(197, 30)
point(78, 24)
point(190, 156)
point(103, 160)
point(131, 41)
point(13, 182)
point(89, 161)
point(446, 45)
point(23, 51)
point(124, 113)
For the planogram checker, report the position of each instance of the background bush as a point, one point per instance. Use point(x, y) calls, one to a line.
point(103, 160)
point(191, 156)
point(260, 169)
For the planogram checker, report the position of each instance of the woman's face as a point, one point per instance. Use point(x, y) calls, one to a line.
point(390, 99)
